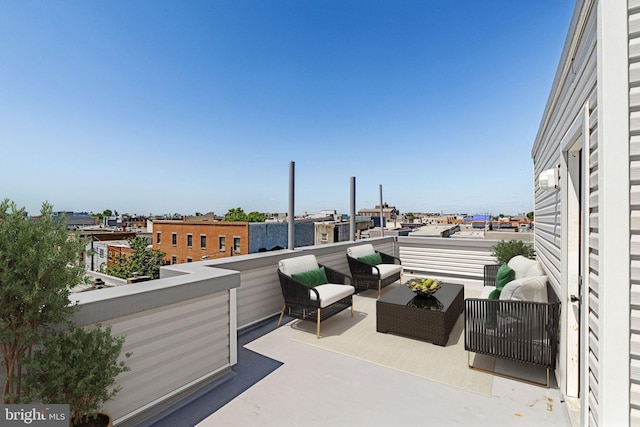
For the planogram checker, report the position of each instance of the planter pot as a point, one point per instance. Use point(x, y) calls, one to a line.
point(102, 420)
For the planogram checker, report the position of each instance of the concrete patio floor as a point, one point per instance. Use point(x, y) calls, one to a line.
point(316, 387)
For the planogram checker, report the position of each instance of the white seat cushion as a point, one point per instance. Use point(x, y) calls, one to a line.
point(521, 265)
point(297, 265)
point(331, 293)
point(387, 270)
point(361, 250)
point(532, 289)
point(486, 291)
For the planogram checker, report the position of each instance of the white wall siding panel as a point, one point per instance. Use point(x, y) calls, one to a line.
point(635, 345)
point(635, 194)
point(462, 259)
point(635, 319)
point(635, 370)
point(634, 121)
point(575, 86)
point(635, 287)
point(634, 147)
point(635, 220)
point(259, 296)
point(172, 346)
point(634, 48)
point(634, 200)
point(593, 375)
point(634, 98)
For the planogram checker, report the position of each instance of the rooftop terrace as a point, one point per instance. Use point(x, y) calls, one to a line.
point(206, 350)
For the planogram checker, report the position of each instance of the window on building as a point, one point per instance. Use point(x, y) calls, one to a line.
point(158, 239)
point(101, 253)
point(323, 237)
point(174, 239)
point(189, 240)
point(222, 244)
point(189, 259)
point(236, 245)
point(174, 259)
point(203, 241)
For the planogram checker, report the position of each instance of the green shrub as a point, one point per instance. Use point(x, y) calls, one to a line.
point(78, 367)
point(505, 250)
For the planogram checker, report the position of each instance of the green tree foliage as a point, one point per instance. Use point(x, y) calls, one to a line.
point(505, 250)
point(39, 264)
point(76, 367)
point(255, 217)
point(143, 261)
point(238, 214)
point(530, 215)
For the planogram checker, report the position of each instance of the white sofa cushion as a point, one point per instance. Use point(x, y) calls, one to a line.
point(486, 290)
point(535, 270)
point(387, 270)
point(331, 293)
point(299, 264)
point(361, 250)
point(532, 289)
point(521, 265)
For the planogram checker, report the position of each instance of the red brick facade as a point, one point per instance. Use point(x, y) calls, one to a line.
point(113, 251)
point(218, 238)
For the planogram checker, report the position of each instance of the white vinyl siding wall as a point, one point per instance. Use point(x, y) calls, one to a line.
point(171, 347)
point(575, 87)
point(634, 199)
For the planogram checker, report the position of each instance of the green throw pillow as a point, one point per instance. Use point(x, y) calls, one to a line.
point(495, 294)
point(373, 259)
point(505, 275)
point(312, 278)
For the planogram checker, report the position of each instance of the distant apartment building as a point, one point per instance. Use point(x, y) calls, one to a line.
point(339, 231)
point(195, 240)
point(389, 213)
point(77, 220)
point(116, 250)
point(96, 255)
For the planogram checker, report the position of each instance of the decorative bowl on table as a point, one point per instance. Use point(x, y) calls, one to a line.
point(424, 287)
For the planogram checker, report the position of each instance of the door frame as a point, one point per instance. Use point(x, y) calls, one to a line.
point(574, 179)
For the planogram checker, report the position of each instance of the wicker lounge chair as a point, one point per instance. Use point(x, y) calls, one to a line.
point(525, 331)
point(316, 301)
point(366, 275)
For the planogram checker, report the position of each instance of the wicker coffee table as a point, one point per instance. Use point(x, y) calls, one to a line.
point(402, 312)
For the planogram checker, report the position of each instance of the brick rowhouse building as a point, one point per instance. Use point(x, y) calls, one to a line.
point(195, 240)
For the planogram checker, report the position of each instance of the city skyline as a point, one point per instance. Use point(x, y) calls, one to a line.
point(201, 107)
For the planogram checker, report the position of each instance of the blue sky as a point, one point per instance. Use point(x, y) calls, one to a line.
point(170, 106)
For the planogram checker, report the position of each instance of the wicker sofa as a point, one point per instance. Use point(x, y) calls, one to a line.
point(313, 301)
point(522, 325)
point(368, 276)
